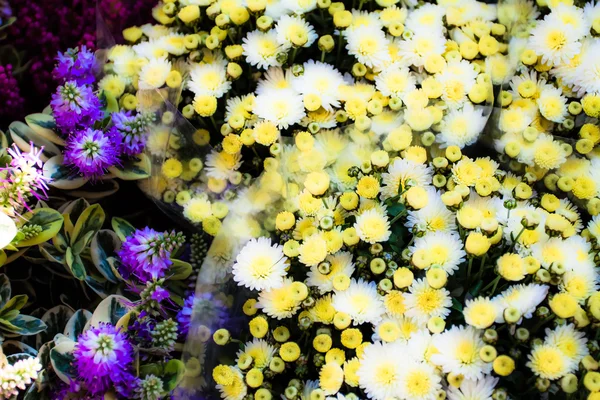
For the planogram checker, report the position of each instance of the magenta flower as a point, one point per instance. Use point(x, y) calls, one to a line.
point(92, 151)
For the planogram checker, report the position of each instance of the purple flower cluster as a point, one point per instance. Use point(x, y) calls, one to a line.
point(103, 357)
point(146, 254)
point(92, 151)
point(76, 64)
point(205, 308)
point(75, 106)
point(10, 95)
point(133, 130)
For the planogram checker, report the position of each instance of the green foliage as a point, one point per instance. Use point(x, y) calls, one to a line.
point(12, 322)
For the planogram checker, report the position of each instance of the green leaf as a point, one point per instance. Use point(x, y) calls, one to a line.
point(60, 242)
point(28, 325)
point(45, 126)
point(50, 220)
point(90, 220)
point(62, 176)
point(133, 169)
point(97, 190)
point(75, 264)
point(173, 373)
point(111, 102)
point(55, 319)
point(100, 286)
point(179, 270)
point(16, 303)
point(456, 305)
point(82, 243)
point(395, 209)
point(3, 257)
point(13, 358)
point(51, 254)
point(15, 347)
point(5, 291)
point(110, 310)
point(76, 324)
point(150, 369)
point(61, 358)
point(104, 246)
point(122, 228)
point(22, 135)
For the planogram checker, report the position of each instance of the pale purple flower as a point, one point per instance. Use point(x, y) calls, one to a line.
point(76, 64)
point(92, 151)
point(75, 107)
point(103, 357)
point(133, 130)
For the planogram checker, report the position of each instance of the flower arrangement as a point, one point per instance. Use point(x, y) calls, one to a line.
point(344, 235)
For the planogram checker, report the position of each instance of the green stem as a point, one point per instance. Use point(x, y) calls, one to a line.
point(339, 49)
point(517, 238)
point(492, 283)
point(323, 56)
point(293, 55)
point(469, 271)
point(397, 217)
point(481, 266)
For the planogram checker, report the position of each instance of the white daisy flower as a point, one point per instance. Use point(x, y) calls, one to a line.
point(386, 121)
point(238, 394)
point(276, 78)
point(457, 79)
point(155, 31)
point(260, 265)
point(473, 389)
point(260, 350)
point(221, 165)
point(420, 344)
point(440, 248)
point(462, 127)
point(426, 19)
point(373, 226)
point(8, 230)
point(261, 49)
point(320, 79)
point(340, 264)
point(395, 80)
point(552, 104)
point(525, 298)
point(420, 46)
point(369, 45)
point(360, 301)
point(571, 342)
point(380, 371)
point(209, 79)
point(553, 41)
point(276, 302)
point(150, 50)
point(300, 7)
point(173, 43)
point(282, 107)
point(572, 17)
point(587, 74)
point(458, 352)
point(291, 29)
point(434, 217)
point(419, 381)
point(154, 74)
point(424, 302)
point(399, 172)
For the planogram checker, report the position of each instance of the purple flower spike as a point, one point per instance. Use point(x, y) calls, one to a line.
point(147, 253)
point(103, 357)
point(92, 151)
point(76, 65)
point(133, 131)
point(75, 107)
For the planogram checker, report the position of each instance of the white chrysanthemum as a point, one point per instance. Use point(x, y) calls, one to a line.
point(551, 251)
point(458, 352)
point(364, 18)
point(221, 165)
point(571, 342)
point(571, 16)
point(150, 50)
point(525, 298)
point(320, 79)
point(260, 265)
point(480, 312)
point(461, 127)
point(419, 381)
point(8, 230)
point(587, 75)
point(380, 370)
point(473, 389)
point(457, 79)
point(293, 28)
point(424, 302)
point(525, 80)
point(373, 226)
point(124, 62)
point(594, 227)
point(239, 105)
point(360, 301)
point(419, 345)
point(261, 49)
point(300, 7)
point(155, 31)
point(340, 264)
point(386, 121)
point(421, 46)
point(260, 350)
point(402, 328)
point(426, 19)
point(440, 248)
point(553, 41)
point(276, 9)
point(174, 43)
point(209, 79)
point(434, 217)
point(369, 45)
point(513, 227)
point(395, 80)
point(276, 78)
point(281, 107)
point(239, 391)
point(552, 104)
point(547, 361)
point(399, 172)
point(581, 283)
point(154, 74)
point(277, 302)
